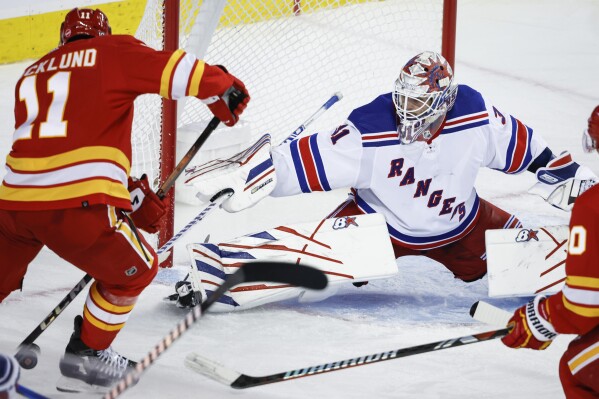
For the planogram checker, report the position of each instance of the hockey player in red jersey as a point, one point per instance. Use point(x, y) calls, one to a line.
point(575, 309)
point(67, 179)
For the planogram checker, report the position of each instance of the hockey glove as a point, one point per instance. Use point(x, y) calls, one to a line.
point(562, 181)
point(250, 174)
point(216, 86)
point(184, 297)
point(9, 376)
point(590, 136)
point(148, 208)
point(530, 326)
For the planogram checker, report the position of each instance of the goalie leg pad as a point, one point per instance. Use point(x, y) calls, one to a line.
point(348, 249)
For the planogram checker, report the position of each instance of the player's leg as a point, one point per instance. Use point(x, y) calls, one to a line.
point(99, 241)
point(17, 249)
point(466, 258)
point(579, 367)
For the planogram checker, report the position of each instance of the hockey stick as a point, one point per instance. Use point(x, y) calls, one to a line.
point(28, 393)
point(238, 380)
point(334, 98)
point(235, 97)
point(27, 351)
point(278, 272)
point(487, 313)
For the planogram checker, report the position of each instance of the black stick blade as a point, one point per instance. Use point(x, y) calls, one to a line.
point(285, 273)
point(473, 308)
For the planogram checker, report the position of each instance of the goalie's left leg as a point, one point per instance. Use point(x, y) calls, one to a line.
point(467, 258)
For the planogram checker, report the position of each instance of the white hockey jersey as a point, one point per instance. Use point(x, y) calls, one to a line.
point(425, 191)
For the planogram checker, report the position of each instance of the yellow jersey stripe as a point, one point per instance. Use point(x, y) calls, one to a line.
point(578, 281)
point(196, 77)
point(105, 305)
point(126, 231)
point(167, 72)
point(100, 324)
point(84, 154)
point(68, 191)
point(584, 358)
point(580, 310)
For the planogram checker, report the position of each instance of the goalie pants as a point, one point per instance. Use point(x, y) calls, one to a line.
point(579, 367)
point(95, 239)
point(466, 257)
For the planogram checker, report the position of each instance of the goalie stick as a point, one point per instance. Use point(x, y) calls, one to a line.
point(238, 380)
point(278, 272)
point(27, 351)
point(330, 102)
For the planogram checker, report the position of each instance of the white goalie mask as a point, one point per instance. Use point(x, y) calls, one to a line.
point(423, 93)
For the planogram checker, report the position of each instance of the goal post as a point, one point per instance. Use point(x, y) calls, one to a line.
point(291, 54)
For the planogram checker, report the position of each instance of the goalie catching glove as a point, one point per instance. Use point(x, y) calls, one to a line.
point(531, 326)
point(562, 181)
point(250, 174)
point(147, 207)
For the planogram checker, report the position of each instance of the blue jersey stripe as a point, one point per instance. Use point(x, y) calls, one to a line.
point(299, 168)
point(465, 127)
point(380, 143)
point(510, 148)
point(322, 176)
point(424, 240)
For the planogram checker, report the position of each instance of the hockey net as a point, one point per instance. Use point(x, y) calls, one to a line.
point(292, 55)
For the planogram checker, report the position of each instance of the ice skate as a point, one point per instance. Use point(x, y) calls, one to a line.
point(85, 369)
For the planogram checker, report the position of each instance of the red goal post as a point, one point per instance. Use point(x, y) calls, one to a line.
point(291, 54)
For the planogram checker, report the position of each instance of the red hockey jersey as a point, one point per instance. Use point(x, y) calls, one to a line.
point(73, 118)
point(575, 309)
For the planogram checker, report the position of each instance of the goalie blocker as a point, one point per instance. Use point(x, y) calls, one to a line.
point(347, 249)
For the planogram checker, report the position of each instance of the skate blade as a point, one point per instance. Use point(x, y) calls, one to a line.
point(73, 385)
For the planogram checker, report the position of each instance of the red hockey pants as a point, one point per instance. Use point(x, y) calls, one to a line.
point(96, 240)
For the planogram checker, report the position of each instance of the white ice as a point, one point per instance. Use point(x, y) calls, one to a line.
point(537, 60)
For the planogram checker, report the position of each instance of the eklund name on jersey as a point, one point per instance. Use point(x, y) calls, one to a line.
point(74, 59)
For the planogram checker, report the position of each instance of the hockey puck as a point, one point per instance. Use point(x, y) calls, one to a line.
point(27, 356)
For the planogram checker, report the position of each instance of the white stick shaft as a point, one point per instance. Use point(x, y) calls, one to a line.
point(334, 98)
point(487, 313)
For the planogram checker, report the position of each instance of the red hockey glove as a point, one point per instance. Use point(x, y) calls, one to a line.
point(590, 139)
point(215, 89)
point(531, 327)
point(148, 209)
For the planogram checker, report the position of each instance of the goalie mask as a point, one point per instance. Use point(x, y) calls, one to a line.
point(423, 93)
point(84, 22)
point(590, 137)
